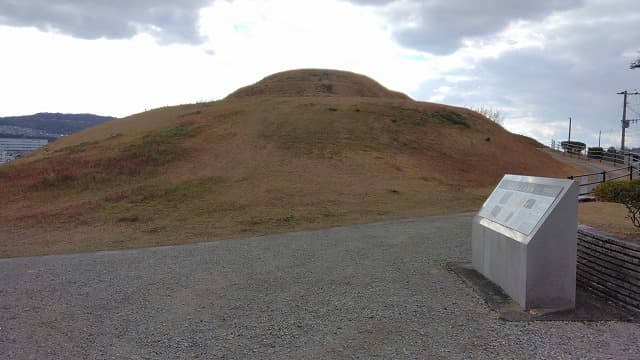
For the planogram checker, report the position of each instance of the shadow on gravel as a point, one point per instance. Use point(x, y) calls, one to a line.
point(589, 307)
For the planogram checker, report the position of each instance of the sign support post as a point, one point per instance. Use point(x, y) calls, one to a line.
point(524, 240)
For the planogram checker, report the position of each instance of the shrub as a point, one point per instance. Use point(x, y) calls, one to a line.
point(614, 155)
point(623, 192)
point(450, 117)
point(328, 88)
point(491, 114)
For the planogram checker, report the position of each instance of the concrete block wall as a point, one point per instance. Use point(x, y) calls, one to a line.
point(609, 267)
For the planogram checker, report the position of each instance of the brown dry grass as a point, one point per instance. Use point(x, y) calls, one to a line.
point(318, 82)
point(608, 217)
point(255, 165)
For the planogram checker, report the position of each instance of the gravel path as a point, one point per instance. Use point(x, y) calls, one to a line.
point(378, 290)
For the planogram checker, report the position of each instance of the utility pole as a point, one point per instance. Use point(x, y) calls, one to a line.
point(624, 117)
point(625, 122)
point(599, 136)
point(569, 131)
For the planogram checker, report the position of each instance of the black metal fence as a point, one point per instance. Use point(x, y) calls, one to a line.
point(587, 183)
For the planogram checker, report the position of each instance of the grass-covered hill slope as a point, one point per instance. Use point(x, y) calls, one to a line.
point(256, 164)
point(317, 82)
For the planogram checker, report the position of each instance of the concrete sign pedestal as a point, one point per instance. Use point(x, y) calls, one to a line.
point(524, 240)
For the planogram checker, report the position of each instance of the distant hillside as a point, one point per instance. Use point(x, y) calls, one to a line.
point(297, 150)
point(47, 125)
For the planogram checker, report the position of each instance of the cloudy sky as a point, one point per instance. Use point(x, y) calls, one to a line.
point(537, 62)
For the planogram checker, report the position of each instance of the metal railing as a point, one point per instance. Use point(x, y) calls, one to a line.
point(628, 162)
point(587, 184)
point(627, 157)
point(612, 155)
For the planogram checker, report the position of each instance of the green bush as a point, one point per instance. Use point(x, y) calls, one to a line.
point(608, 191)
point(623, 192)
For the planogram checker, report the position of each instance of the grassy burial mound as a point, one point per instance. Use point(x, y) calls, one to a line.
point(297, 150)
point(296, 83)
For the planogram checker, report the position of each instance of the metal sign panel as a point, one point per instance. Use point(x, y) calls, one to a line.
point(519, 204)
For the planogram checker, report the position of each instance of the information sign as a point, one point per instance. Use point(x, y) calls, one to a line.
point(519, 205)
point(524, 240)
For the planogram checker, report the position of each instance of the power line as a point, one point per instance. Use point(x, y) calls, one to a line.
point(636, 110)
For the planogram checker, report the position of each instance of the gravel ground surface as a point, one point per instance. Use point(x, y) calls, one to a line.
point(365, 291)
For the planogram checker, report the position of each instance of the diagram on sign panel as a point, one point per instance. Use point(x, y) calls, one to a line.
point(519, 206)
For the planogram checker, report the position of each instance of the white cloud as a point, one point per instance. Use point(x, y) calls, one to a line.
point(320, 35)
point(245, 41)
point(59, 73)
point(444, 26)
point(537, 65)
point(169, 21)
point(570, 64)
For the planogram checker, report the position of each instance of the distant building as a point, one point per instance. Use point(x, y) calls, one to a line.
point(13, 148)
